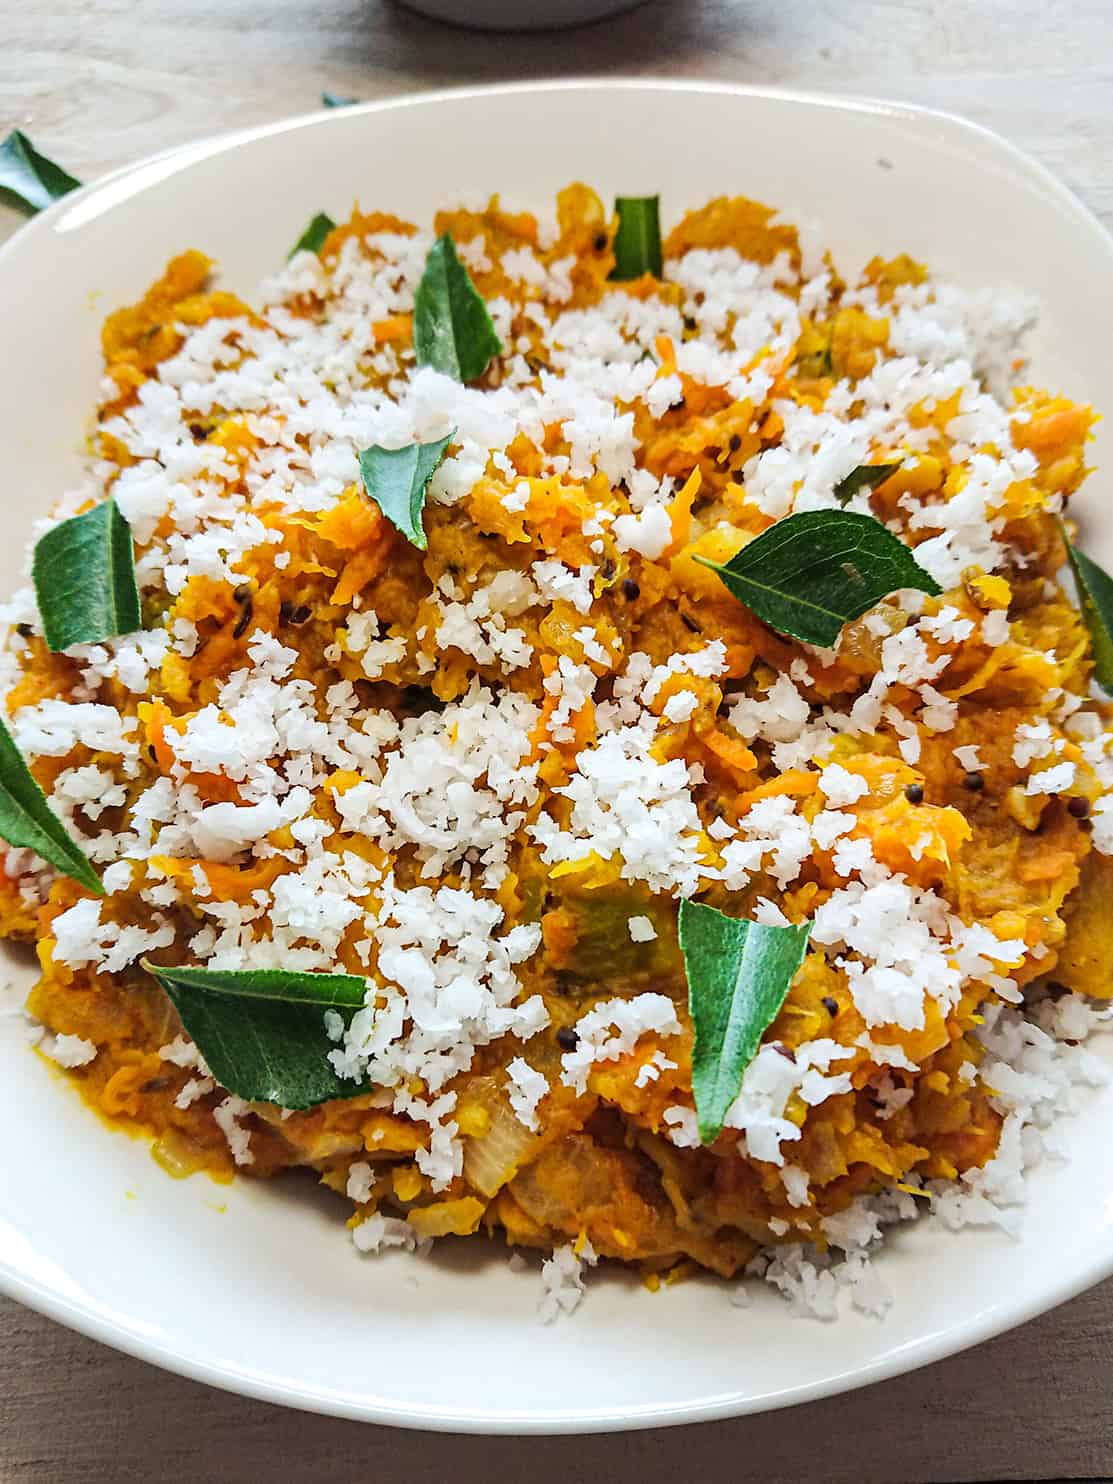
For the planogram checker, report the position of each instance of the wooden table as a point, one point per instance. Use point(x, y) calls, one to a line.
point(98, 83)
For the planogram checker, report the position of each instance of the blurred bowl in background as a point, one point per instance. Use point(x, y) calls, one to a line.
point(519, 15)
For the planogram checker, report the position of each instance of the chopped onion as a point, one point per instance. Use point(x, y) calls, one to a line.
point(491, 1159)
point(179, 1155)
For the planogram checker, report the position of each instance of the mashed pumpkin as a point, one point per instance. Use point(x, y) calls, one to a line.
point(482, 775)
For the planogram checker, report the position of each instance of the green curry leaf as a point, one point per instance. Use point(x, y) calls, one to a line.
point(738, 973)
point(313, 238)
point(1095, 599)
point(27, 820)
point(453, 331)
point(397, 480)
point(637, 242)
point(809, 574)
point(84, 575)
point(28, 178)
point(864, 477)
point(262, 1032)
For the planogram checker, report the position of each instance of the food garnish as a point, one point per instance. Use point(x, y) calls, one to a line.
point(864, 477)
point(397, 480)
point(1095, 598)
point(637, 242)
point(809, 574)
point(262, 1032)
point(453, 331)
point(313, 238)
point(27, 820)
point(739, 973)
point(84, 574)
point(29, 178)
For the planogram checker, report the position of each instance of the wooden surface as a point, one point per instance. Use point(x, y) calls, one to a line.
point(98, 83)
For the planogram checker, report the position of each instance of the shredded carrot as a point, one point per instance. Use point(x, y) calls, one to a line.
point(680, 512)
point(396, 329)
point(794, 783)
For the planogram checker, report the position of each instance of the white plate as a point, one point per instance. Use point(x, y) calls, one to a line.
point(256, 1287)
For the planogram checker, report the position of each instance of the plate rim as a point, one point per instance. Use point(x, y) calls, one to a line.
point(139, 174)
point(112, 190)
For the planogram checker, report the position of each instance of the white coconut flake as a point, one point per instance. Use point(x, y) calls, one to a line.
point(68, 1051)
point(562, 1276)
point(526, 1088)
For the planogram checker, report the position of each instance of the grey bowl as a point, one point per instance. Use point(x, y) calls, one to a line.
point(519, 15)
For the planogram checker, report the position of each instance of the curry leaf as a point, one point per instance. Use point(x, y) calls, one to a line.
point(810, 573)
point(262, 1032)
point(27, 820)
point(637, 243)
point(453, 332)
point(738, 976)
point(864, 477)
point(313, 238)
point(337, 100)
point(1095, 599)
point(397, 479)
point(84, 574)
point(30, 178)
